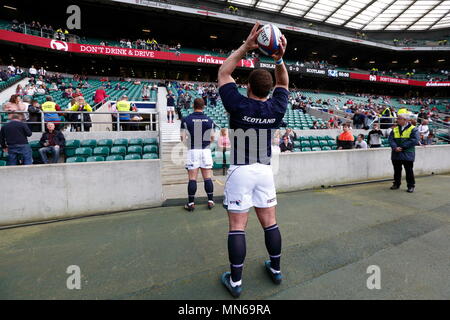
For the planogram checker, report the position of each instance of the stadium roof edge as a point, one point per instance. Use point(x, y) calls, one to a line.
point(291, 28)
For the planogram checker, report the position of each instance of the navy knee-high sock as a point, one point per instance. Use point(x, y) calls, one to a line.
point(192, 190)
point(272, 237)
point(209, 189)
point(236, 253)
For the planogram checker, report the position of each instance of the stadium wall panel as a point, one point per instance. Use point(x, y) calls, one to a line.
point(59, 191)
point(299, 171)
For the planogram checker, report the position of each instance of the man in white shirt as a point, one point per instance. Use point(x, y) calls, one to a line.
point(32, 71)
point(12, 69)
point(424, 130)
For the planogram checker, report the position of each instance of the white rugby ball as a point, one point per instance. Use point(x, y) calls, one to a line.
point(269, 39)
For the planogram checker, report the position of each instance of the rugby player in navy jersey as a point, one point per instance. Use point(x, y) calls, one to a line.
point(250, 182)
point(197, 130)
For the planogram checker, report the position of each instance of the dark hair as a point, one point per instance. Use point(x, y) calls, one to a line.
point(260, 82)
point(199, 103)
point(13, 98)
point(48, 98)
point(346, 125)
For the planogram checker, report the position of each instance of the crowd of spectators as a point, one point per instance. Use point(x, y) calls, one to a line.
point(43, 30)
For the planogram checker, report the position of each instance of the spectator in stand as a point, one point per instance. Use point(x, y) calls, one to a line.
point(14, 140)
point(346, 139)
point(33, 72)
point(286, 145)
point(213, 98)
point(100, 95)
point(146, 93)
point(49, 108)
point(187, 103)
point(374, 137)
point(315, 126)
point(52, 141)
point(83, 108)
point(35, 118)
point(15, 104)
point(19, 90)
point(53, 87)
point(424, 130)
point(4, 75)
point(290, 134)
point(123, 106)
point(360, 143)
point(224, 142)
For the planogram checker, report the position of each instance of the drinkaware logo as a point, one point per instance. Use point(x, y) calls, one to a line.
point(211, 60)
point(59, 45)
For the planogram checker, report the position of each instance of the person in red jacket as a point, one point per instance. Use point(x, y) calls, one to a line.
point(100, 95)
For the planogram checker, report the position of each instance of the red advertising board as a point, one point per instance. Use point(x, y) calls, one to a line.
point(114, 51)
point(409, 82)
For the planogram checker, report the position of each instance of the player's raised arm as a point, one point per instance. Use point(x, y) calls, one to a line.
point(229, 65)
point(281, 73)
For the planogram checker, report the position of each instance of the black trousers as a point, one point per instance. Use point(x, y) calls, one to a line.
point(398, 166)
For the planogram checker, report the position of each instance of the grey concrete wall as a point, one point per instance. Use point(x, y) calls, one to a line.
point(47, 192)
point(297, 171)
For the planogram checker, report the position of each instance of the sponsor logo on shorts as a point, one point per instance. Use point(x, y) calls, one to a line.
point(272, 200)
point(237, 202)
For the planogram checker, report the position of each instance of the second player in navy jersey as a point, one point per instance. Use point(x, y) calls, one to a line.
point(197, 130)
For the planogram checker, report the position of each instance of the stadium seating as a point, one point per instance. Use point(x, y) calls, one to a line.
point(95, 159)
point(100, 150)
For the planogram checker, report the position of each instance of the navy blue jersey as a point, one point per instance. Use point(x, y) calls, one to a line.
point(170, 100)
point(199, 128)
point(252, 123)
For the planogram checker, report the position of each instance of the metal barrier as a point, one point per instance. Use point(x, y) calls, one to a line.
point(118, 125)
point(45, 33)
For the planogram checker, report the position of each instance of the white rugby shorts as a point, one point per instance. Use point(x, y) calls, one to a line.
point(169, 109)
point(199, 158)
point(249, 186)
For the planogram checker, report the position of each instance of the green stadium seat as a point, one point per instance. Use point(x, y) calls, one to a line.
point(89, 143)
point(119, 150)
point(315, 144)
point(75, 159)
point(135, 142)
point(83, 152)
point(331, 143)
point(316, 149)
point(121, 142)
point(297, 144)
point(151, 149)
point(323, 143)
point(306, 149)
point(133, 157)
point(73, 144)
point(2, 163)
point(305, 144)
point(101, 151)
point(135, 150)
point(115, 157)
point(150, 156)
point(150, 141)
point(297, 150)
point(326, 148)
point(105, 143)
point(95, 159)
point(36, 144)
